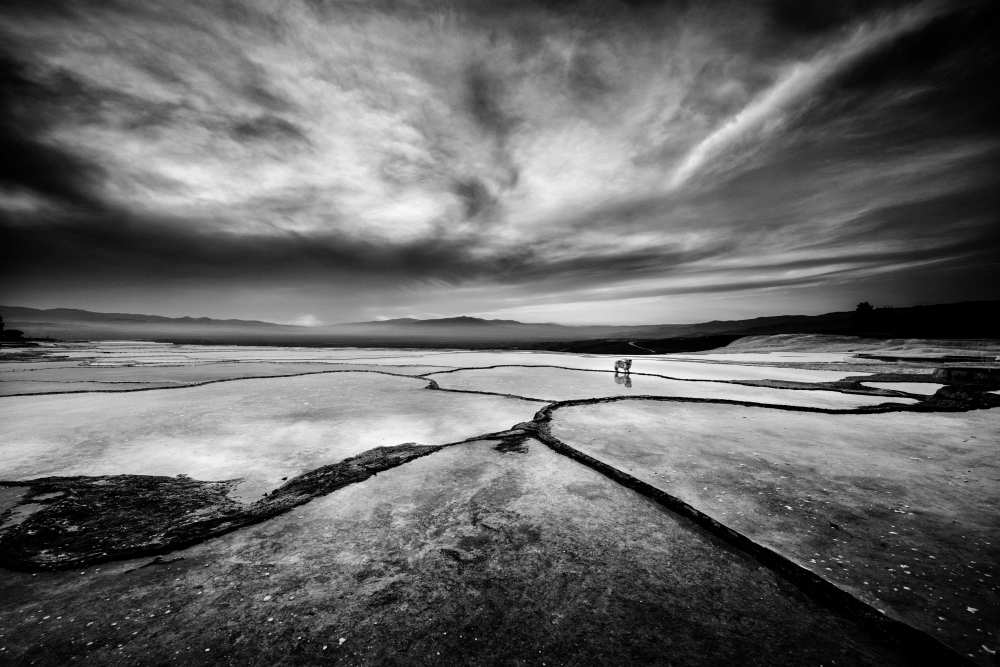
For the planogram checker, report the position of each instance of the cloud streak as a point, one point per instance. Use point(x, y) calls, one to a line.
point(764, 114)
point(314, 158)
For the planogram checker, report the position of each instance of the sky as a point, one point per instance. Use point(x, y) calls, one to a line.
point(317, 162)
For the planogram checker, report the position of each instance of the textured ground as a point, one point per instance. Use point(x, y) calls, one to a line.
point(466, 556)
point(559, 384)
point(899, 508)
point(260, 430)
point(762, 505)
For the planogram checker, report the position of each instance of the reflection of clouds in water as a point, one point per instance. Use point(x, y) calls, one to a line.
point(264, 451)
point(259, 430)
point(625, 380)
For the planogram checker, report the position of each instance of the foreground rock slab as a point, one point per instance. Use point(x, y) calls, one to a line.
point(482, 553)
point(898, 508)
point(263, 431)
point(77, 521)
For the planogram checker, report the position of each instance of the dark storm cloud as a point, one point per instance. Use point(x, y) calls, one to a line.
point(948, 65)
point(118, 245)
point(268, 128)
point(115, 246)
point(28, 161)
point(581, 151)
point(47, 171)
point(476, 197)
point(588, 78)
point(933, 218)
point(795, 16)
point(259, 94)
point(485, 101)
point(147, 251)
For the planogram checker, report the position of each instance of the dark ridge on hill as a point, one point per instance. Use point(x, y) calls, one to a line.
point(637, 347)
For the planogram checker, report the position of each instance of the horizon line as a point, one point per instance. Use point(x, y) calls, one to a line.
point(473, 317)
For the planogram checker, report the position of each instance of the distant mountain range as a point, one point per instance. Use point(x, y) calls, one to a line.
point(17, 313)
point(959, 320)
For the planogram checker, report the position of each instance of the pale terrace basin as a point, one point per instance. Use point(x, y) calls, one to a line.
point(900, 508)
point(556, 384)
point(262, 430)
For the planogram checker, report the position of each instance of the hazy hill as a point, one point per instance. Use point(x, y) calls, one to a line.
point(77, 316)
point(960, 320)
point(443, 321)
point(74, 324)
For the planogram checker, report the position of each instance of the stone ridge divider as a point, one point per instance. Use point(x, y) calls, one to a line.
point(957, 398)
point(922, 647)
point(17, 552)
point(864, 410)
point(852, 385)
point(163, 514)
point(843, 386)
point(53, 537)
point(23, 547)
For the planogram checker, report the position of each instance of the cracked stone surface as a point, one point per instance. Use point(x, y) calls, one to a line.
point(686, 367)
point(300, 499)
point(79, 521)
point(470, 555)
point(559, 384)
point(899, 508)
point(260, 430)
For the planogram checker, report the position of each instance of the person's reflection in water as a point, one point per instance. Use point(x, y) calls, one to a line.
point(625, 380)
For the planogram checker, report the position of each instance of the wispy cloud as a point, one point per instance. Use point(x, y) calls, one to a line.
point(765, 114)
point(350, 159)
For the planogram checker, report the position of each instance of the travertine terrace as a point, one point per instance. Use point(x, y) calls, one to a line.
point(359, 505)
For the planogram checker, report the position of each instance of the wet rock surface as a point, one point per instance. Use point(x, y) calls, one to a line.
point(560, 384)
point(79, 521)
point(484, 549)
point(263, 431)
point(468, 556)
point(898, 508)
